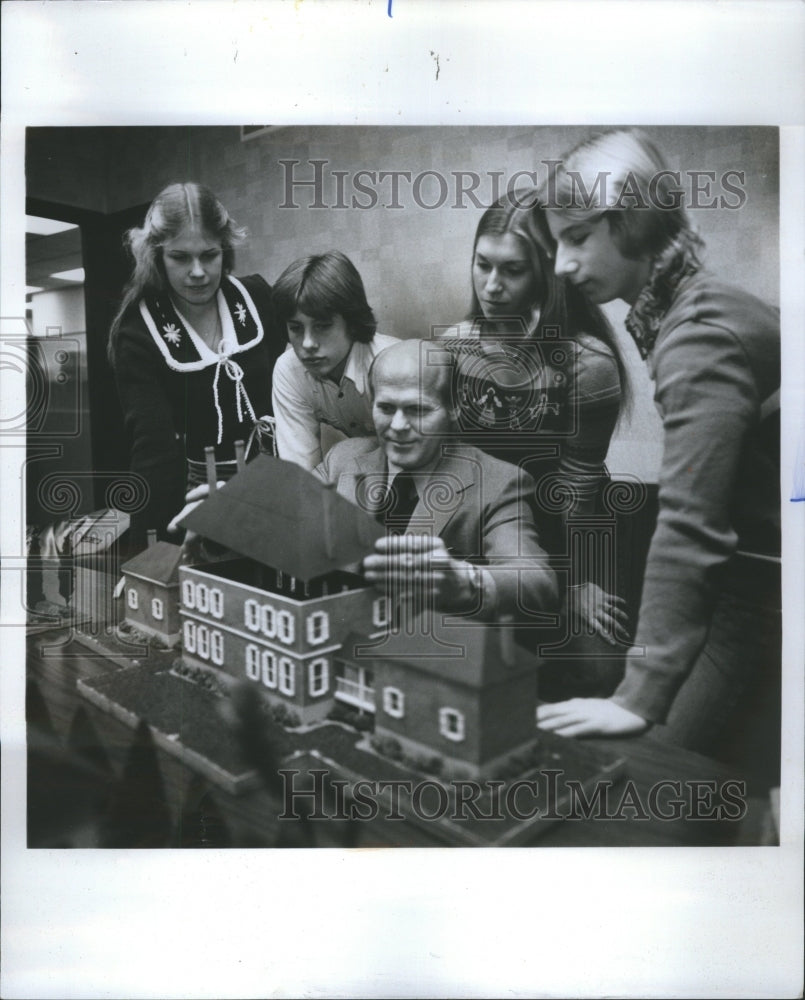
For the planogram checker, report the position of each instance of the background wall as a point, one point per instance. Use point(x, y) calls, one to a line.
point(414, 260)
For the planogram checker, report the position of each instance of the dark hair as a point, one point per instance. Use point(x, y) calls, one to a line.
point(620, 175)
point(562, 305)
point(322, 285)
point(174, 208)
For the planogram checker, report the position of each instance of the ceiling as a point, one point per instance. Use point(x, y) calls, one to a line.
point(51, 249)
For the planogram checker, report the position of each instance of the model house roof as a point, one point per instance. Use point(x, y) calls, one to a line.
point(159, 563)
point(282, 516)
point(468, 652)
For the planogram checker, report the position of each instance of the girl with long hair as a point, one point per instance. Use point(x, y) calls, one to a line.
point(705, 668)
point(192, 348)
point(542, 384)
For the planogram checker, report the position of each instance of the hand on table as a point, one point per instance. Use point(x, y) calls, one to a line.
point(594, 610)
point(407, 562)
point(589, 717)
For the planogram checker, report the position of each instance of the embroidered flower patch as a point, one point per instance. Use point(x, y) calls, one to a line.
point(172, 333)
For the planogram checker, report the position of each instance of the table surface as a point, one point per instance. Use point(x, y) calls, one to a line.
point(155, 799)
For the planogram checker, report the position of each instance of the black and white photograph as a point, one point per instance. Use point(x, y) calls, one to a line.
point(407, 482)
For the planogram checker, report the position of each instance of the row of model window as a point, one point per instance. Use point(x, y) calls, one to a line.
point(202, 598)
point(208, 644)
point(277, 672)
point(263, 618)
point(157, 604)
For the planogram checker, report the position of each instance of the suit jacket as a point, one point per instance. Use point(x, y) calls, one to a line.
point(476, 504)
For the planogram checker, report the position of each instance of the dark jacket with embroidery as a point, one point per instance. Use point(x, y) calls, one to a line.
point(714, 356)
point(178, 397)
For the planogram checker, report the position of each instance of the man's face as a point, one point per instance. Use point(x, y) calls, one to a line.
point(410, 417)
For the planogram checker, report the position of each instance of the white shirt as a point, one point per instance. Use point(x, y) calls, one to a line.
point(302, 402)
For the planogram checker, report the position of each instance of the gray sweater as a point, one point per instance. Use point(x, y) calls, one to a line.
point(716, 368)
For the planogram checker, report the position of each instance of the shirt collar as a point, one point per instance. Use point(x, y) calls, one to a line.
point(358, 362)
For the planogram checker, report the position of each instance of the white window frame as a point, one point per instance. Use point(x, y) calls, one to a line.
point(203, 642)
point(216, 602)
point(285, 627)
point(318, 628)
point(202, 598)
point(268, 620)
point(251, 615)
point(217, 647)
point(157, 608)
point(268, 663)
point(380, 611)
point(253, 662)
point(393, 702)
point(448, 715)
point(132, 598)
point(318, 680)
point(189, 637)
point(287, 680)
point(188, 594)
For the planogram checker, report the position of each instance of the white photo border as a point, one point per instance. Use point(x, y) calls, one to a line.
point(644, 922)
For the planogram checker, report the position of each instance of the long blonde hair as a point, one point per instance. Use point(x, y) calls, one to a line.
point(176, 206)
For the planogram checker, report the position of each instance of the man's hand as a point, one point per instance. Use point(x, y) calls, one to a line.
point(405, 564)
point(596, 611)
point(589, 717)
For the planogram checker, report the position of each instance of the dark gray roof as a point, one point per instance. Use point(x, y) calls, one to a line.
point(280, 515)
point(159, 563)
point(468, 652)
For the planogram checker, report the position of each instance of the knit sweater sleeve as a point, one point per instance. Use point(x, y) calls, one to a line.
point(156, 451)
point(594, 402)
point(708, 400)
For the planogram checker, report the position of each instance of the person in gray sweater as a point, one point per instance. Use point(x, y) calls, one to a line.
point(705, 663)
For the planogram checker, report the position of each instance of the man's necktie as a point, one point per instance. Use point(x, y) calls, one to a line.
point(401, 500)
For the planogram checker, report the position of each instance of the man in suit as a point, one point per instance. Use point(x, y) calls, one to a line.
point(459, 525)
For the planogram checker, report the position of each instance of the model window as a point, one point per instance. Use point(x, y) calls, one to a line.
point(190, 637)
point(318, 628)
point(251, 615)
point(217, 647)
point(253, 662)
point(269, 621)
point(451, 724)
point(380, 611)
point(216, 602)
point(269, 668)
point(285, 627)
point(318, 676)
point(203, 642)
point(157, 609)
point(133, 599)
point(287, 679)
point(202, 598)
point(393, 702)
point(188, 594)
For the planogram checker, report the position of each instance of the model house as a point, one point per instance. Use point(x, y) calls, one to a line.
point(287, 614)
point(464, 691)
point(151, 591)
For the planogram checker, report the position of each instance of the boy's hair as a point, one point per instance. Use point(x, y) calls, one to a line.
point(322, 285)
